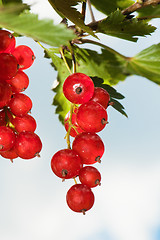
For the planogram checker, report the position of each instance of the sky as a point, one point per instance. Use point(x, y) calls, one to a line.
point(32, 202)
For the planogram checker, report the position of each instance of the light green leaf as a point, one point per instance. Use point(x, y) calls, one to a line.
point(118, 26)
point(149, 12)
point(61, 103)
point(65, 9)
point(29, 25)
point(108, 6)
point(146, 63)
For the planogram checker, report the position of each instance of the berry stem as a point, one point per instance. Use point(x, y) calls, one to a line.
point(64, 59)
point(75, 180)
point(67, 137)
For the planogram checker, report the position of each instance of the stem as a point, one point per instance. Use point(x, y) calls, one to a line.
point(67, 137)
point(64, 59)
point(75, 180)
point(83, 10)
point(73, 57)
point(104, 46)
point(91, 12)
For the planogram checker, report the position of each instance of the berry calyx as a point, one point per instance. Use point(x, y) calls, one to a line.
point(90, 176)
point(92, 117)
point(89, 147)
point(80, 198)
point(78, 88)
point(66, 163)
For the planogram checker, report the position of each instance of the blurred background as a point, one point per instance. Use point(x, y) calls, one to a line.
point(127, 204)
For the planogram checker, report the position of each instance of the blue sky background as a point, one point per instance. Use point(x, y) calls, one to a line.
point(32, 202)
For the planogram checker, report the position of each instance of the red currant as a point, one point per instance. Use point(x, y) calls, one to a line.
point(8, 66)
point(24, 55)
point(89, 176)
point(75, 129)
point(5, 94)
point(101, 96)
point(89, 147)
point(10, 154)
point(80, 198)
point(7, 41)
point(20, 104)
point(78, 88)
point(25, 123)
point(92, 117)
point(28, 145)
point(66, 163)
point(19, 82)
point(7, 138)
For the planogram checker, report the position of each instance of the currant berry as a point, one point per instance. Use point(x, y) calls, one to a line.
point(7, 138)
point(20, 104)
point(101, 96)
point(19, 82)
point(89, 147)
point(90, 176)
point(5, 94)
point(78, 88)
point(66, 163)
point(75, 129)
point(7, 41)
point(92, 117)
point(10, 154)
point(80, 198)
point(24, 55)
point(8, 66)
point(28, 145)
point(25, 123)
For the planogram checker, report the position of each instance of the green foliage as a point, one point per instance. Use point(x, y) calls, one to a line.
point(11, 1)
point(116, 24)
point(146, 63)
point(65, 9)
point(63, 105)
point(108, 6)
point(149, 12)
point(106, 65)
point(29, 25)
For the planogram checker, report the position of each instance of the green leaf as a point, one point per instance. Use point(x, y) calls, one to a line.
point(29, 25)
point(65, 9)
point(146, 63)
point(118, 106)
point(149, 12)
point(11, 1)
point(105, 65)
point(118, 26)
point(108, 6)
point(61, 103)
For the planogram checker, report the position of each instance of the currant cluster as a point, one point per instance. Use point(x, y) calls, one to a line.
point(17, 137)
point(87, 116)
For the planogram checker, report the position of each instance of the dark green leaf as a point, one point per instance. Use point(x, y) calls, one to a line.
point(118, 26)
point(118, 106)
point(11, 1)
point(108, 6)
point(66, 9)
point(149, 12)
point(29, 25)
point(146, 63)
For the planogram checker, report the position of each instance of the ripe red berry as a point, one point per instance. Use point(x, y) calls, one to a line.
point(8, 66)
point(24, 55)
point(80, 198)
point(92, 117)
point(7, 41)
point(10, 154)
point(24, 123)
point(89, 176)
point(75, 129)
point(7, 138)
point(5, 94)
point(101, 96)
point(19, 82)
point(89, 147)
point(28, 145)
point(20, 104)
point(78, 88)
point(66, 163)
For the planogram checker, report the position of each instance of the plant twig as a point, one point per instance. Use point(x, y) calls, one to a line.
point(91, 12)
point(83, 10)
